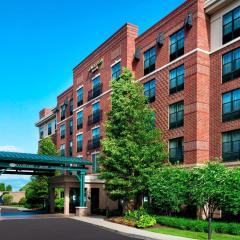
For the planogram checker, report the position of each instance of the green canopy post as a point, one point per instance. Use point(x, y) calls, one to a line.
point(81, 177)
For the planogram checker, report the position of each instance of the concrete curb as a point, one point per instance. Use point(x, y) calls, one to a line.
point(127, 231)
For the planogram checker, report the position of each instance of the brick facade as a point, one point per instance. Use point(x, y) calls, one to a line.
point(203, 88)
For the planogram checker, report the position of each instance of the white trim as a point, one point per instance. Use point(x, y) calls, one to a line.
point(79, 133)
point(97, 75)
point(86, 103)
point(98, 126)
point(150, 74)
point(173, 62)
point(81, 86)
point(79, 156)
point(96, 152)
point(116, 62)
point(79, 110)
point(61, 122)
point(226, 45)
point(97, 101)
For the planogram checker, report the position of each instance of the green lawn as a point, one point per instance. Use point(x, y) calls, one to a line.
point(194, 235)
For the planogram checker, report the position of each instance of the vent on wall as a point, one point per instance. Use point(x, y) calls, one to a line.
point(160, 39)
point(188, 21)
point(137, 54)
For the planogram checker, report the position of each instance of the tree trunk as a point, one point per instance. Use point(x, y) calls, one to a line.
point(210, 227)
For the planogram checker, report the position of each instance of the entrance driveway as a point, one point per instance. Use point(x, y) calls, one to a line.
point(54, 229)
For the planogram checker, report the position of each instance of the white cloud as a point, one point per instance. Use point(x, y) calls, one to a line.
point(10, 149)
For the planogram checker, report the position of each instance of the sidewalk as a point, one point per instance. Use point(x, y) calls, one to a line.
point(127, 231)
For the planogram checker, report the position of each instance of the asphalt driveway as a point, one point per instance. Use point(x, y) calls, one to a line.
point(54, 229)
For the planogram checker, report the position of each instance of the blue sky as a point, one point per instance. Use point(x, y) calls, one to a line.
point(41, 42)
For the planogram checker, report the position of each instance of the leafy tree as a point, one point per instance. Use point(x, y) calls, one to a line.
point(7, 199)
point(207, 187)
point(37, 189)
point(2, 187)
point(169, 188)
point(9, 188)
point(133, 148)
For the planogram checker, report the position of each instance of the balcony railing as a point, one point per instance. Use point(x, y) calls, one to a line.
point(96, 91)
point(95, 117)
point(94, 143)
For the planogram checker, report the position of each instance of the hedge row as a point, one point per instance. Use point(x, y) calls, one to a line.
point(198, 225)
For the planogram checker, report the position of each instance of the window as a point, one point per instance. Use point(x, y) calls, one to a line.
point(231, 145)
point(149, 60)
point(176, 115)
point(95, 141)
point(231, 25)
point(149, 90)
point(79, 142)
point(231, 65)
point(62, 131)
point(116, 70)
point(96, 88)
point(231, 105)
point(80, 96)
point(55, 124)
point(79, 120)
point(176, 79)
point(70, 148)
point(49, 128)
point(71, 107)
point(63, 112)
point(177, 44)
point(95, 117)
point(176, 150)
point(41, 132)
point(62, 150)
point(71, 127)
point(95, 165)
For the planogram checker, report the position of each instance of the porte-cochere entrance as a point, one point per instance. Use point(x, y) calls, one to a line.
point(36, 164)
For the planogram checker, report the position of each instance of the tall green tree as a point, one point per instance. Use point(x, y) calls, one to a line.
point(9, 188)
point(133, 148)
point(37, 189)
point(168, 188)
point(207, 186)
point(2, 187)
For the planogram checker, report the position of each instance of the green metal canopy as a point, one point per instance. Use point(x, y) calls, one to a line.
point(37, 164)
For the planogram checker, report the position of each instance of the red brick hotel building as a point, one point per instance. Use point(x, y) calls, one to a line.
point(189, 64)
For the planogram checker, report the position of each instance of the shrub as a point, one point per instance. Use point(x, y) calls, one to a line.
point(23, 201)
point(141, 217)
point(146, 221)
point(59, 203)
point(198, 225)
point(7, 199)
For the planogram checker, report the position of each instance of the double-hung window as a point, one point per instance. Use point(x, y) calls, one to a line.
point(231, 25)
point(62, 150)
point(71, 127)
point(231, 145)
point(62, 131)
point(176, 79)
point(176, 150)
point(71, 107)
point(95, 165)
point(231, 65)
point(63, 112)
point(149, 90)
point(70, 148)
point(231, 105)
point(41, 132)
point(80, 96)
point(96, 88)
point(79, 142)
point(176, 115)
point(116, 71)
point(149, 60)
point(79, 120)
point(177, 44)
point(49, 128)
